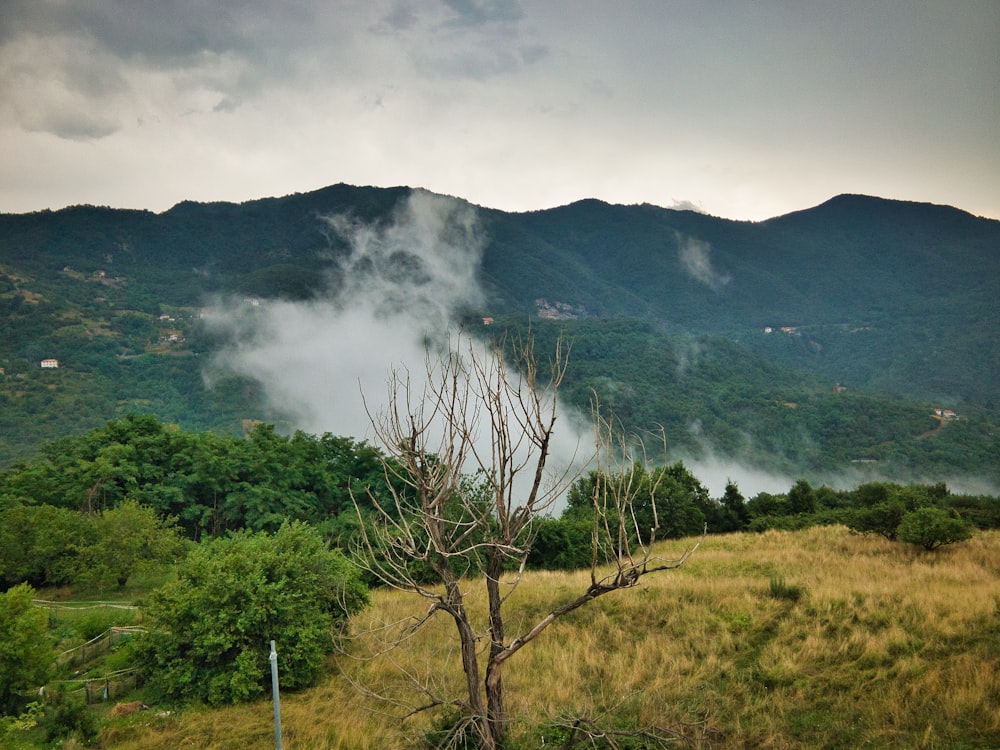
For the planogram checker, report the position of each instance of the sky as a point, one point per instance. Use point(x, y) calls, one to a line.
point(744, 109)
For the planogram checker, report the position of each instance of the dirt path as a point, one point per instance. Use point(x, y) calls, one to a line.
point(935, 431)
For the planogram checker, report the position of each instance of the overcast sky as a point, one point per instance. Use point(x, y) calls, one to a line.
point(743, 109)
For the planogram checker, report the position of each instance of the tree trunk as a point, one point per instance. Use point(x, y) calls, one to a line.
point(495, 716)
point(470, 663)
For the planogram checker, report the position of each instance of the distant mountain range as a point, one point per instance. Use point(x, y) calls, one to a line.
point(824, 338)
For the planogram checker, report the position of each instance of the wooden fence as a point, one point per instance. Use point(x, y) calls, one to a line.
point(98, 646)
point(93, 689)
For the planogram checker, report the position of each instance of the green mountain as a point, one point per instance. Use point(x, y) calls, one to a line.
point(899, 297)
point(809, 343)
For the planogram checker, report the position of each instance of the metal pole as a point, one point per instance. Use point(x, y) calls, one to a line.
point(273, 658)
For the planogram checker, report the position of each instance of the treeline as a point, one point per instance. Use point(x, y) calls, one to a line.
point(96, 508)
point(211, 484)
point(670, 502)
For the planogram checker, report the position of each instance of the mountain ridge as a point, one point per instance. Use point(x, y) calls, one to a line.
point(893, 298)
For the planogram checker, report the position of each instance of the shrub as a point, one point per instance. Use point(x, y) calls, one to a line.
point(69, 718)
point(214, 623)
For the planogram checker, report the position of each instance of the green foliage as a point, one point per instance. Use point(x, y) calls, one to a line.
point(668, 502)
point(931, 528)
point(562, 544)
point(95, 622)
point(710, 391)
point(735, 514)
point(48, 546)
point(883, 519)
point(128, 538)
point(802, 498)
point(40, 545)
point(232, 596)
point(870, 508)
point(15, 730)
point(25, 650)
point(209, 483)
point(67, 719)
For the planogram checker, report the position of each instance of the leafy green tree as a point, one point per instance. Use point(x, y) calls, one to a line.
point(764, 505)
point(39, 544)
point(232, 596)
point(667, 501)
point(212, 484)
point(931, 528)
point(128, 539)
point(25, 652)
point(687, 503)
point(736, 515)
point(802, 498)
point(879, 507)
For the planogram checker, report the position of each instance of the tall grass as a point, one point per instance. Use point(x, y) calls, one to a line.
point(882, 645)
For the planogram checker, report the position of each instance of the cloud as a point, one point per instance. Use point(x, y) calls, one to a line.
point(87, 71)
point(714, 472)
point(401, 286)
point(393, 305)
point(169, 32)
point(82, 71)
point(480, 12)
point(696, 262)
point(464, 39)
point(422, 267)
point(401, 17)
point(511, 105)
point(73, 95)
point(686, 205)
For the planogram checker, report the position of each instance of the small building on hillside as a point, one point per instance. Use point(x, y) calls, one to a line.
point(945, 414)
point(50, 364)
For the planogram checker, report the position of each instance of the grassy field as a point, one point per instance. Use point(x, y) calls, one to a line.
point(811, 639)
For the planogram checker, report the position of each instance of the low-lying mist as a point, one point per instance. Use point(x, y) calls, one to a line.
point(395, 293)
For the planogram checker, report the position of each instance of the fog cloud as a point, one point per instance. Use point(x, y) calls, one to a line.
point(686, 205)
point(395, 296)
point(715, 472)
point(400, 286)
point(418, 271)
point(695, 257)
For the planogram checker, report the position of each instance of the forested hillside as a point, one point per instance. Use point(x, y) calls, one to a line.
point(809, 343)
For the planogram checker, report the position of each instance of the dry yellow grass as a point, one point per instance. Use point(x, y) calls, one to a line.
point(886, 646)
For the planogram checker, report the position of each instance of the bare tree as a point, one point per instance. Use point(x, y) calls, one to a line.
point(491, 413)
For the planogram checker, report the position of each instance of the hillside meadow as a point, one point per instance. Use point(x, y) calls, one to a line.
point(816, 638)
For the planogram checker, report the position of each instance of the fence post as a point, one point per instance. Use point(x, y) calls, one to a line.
point(273, 658)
